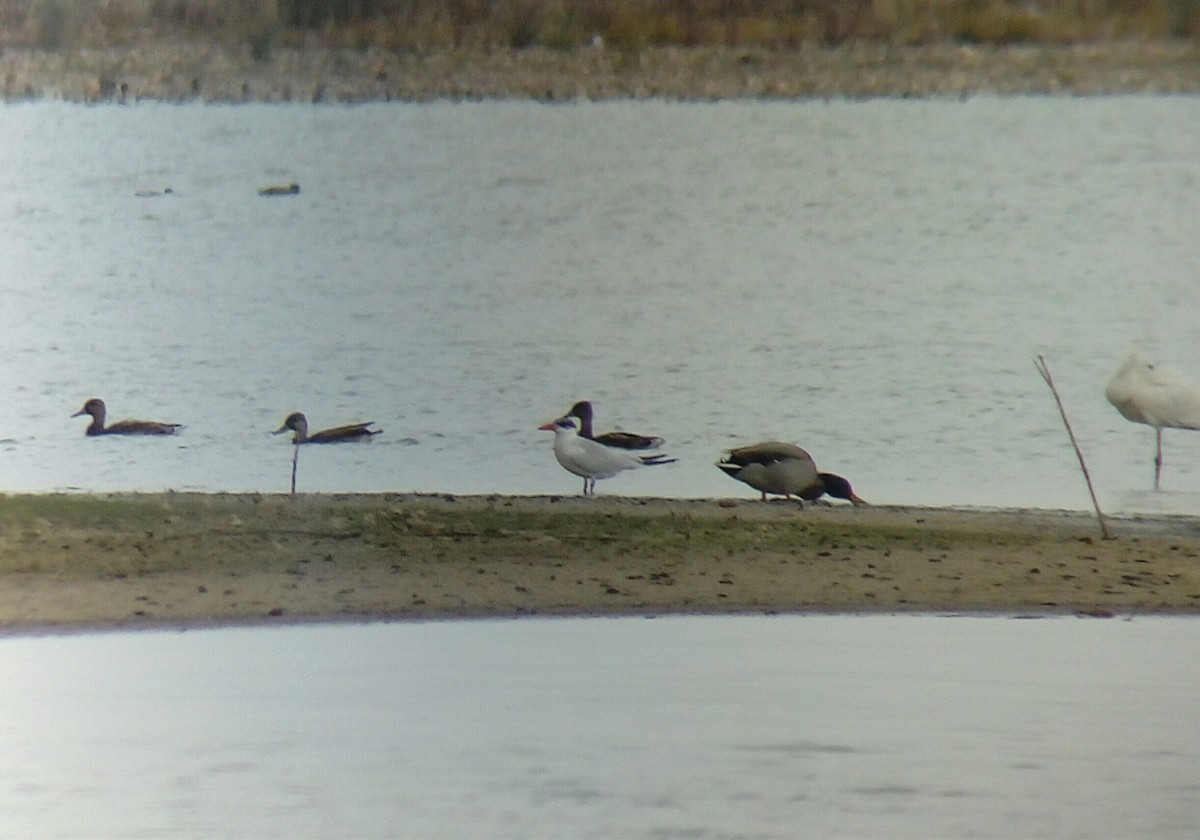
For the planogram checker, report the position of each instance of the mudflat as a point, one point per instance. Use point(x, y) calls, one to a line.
point(76, 562)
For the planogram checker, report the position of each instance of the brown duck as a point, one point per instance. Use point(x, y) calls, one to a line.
point(582, 411)
point(280, 189)
point(784, 469)
point(95, 408)
point(298, 423)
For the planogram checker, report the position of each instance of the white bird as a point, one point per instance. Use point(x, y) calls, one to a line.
point(591, 460)
point(784, 469)
point(1158, 396)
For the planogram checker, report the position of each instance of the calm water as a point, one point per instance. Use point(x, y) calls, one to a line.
point(871, 279)
point(818, 726)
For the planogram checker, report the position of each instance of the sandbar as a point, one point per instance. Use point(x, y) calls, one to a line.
point(78, 562)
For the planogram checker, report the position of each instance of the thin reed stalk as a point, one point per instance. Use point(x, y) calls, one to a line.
point(1044, 370)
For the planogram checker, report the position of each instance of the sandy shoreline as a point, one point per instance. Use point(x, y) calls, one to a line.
point(92, 562)
point(185, 72)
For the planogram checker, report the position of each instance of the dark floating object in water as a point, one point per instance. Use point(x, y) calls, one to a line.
point(298, 423)
point(280, 189)
point(95, 408)
point(154, 193)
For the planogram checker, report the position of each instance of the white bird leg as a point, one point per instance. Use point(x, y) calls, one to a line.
point(1157, 456)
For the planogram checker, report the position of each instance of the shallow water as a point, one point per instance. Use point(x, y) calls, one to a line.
point(870, 279)
point(802, 726)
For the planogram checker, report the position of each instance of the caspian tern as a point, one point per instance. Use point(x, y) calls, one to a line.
point(590, 459)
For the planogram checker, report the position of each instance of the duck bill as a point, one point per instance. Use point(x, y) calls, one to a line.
point(858, 502)
point(79, 413)
point(280, 430)
point(547, 427)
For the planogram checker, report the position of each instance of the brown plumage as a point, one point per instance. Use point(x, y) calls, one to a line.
point(96, 409)
point(298, 423)
point(784, 469)
point(280, 189)
point(582, 411)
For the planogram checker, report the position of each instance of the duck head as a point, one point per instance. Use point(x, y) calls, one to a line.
point(582, 411)
point(93, 407)
point(839, 488)
point(295, 422)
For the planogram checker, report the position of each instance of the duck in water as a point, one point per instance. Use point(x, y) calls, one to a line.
point(582, 411)
point(96, 409)
point(298, 423)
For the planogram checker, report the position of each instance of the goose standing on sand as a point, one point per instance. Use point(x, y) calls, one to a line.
point(784, 469)
point(96, 409)
point(582, 411)
point(298, 423)
point(590, 459)
point(1158, 396)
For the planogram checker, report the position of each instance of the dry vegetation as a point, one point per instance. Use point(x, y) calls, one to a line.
point(424, 25)
point(553, 50)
